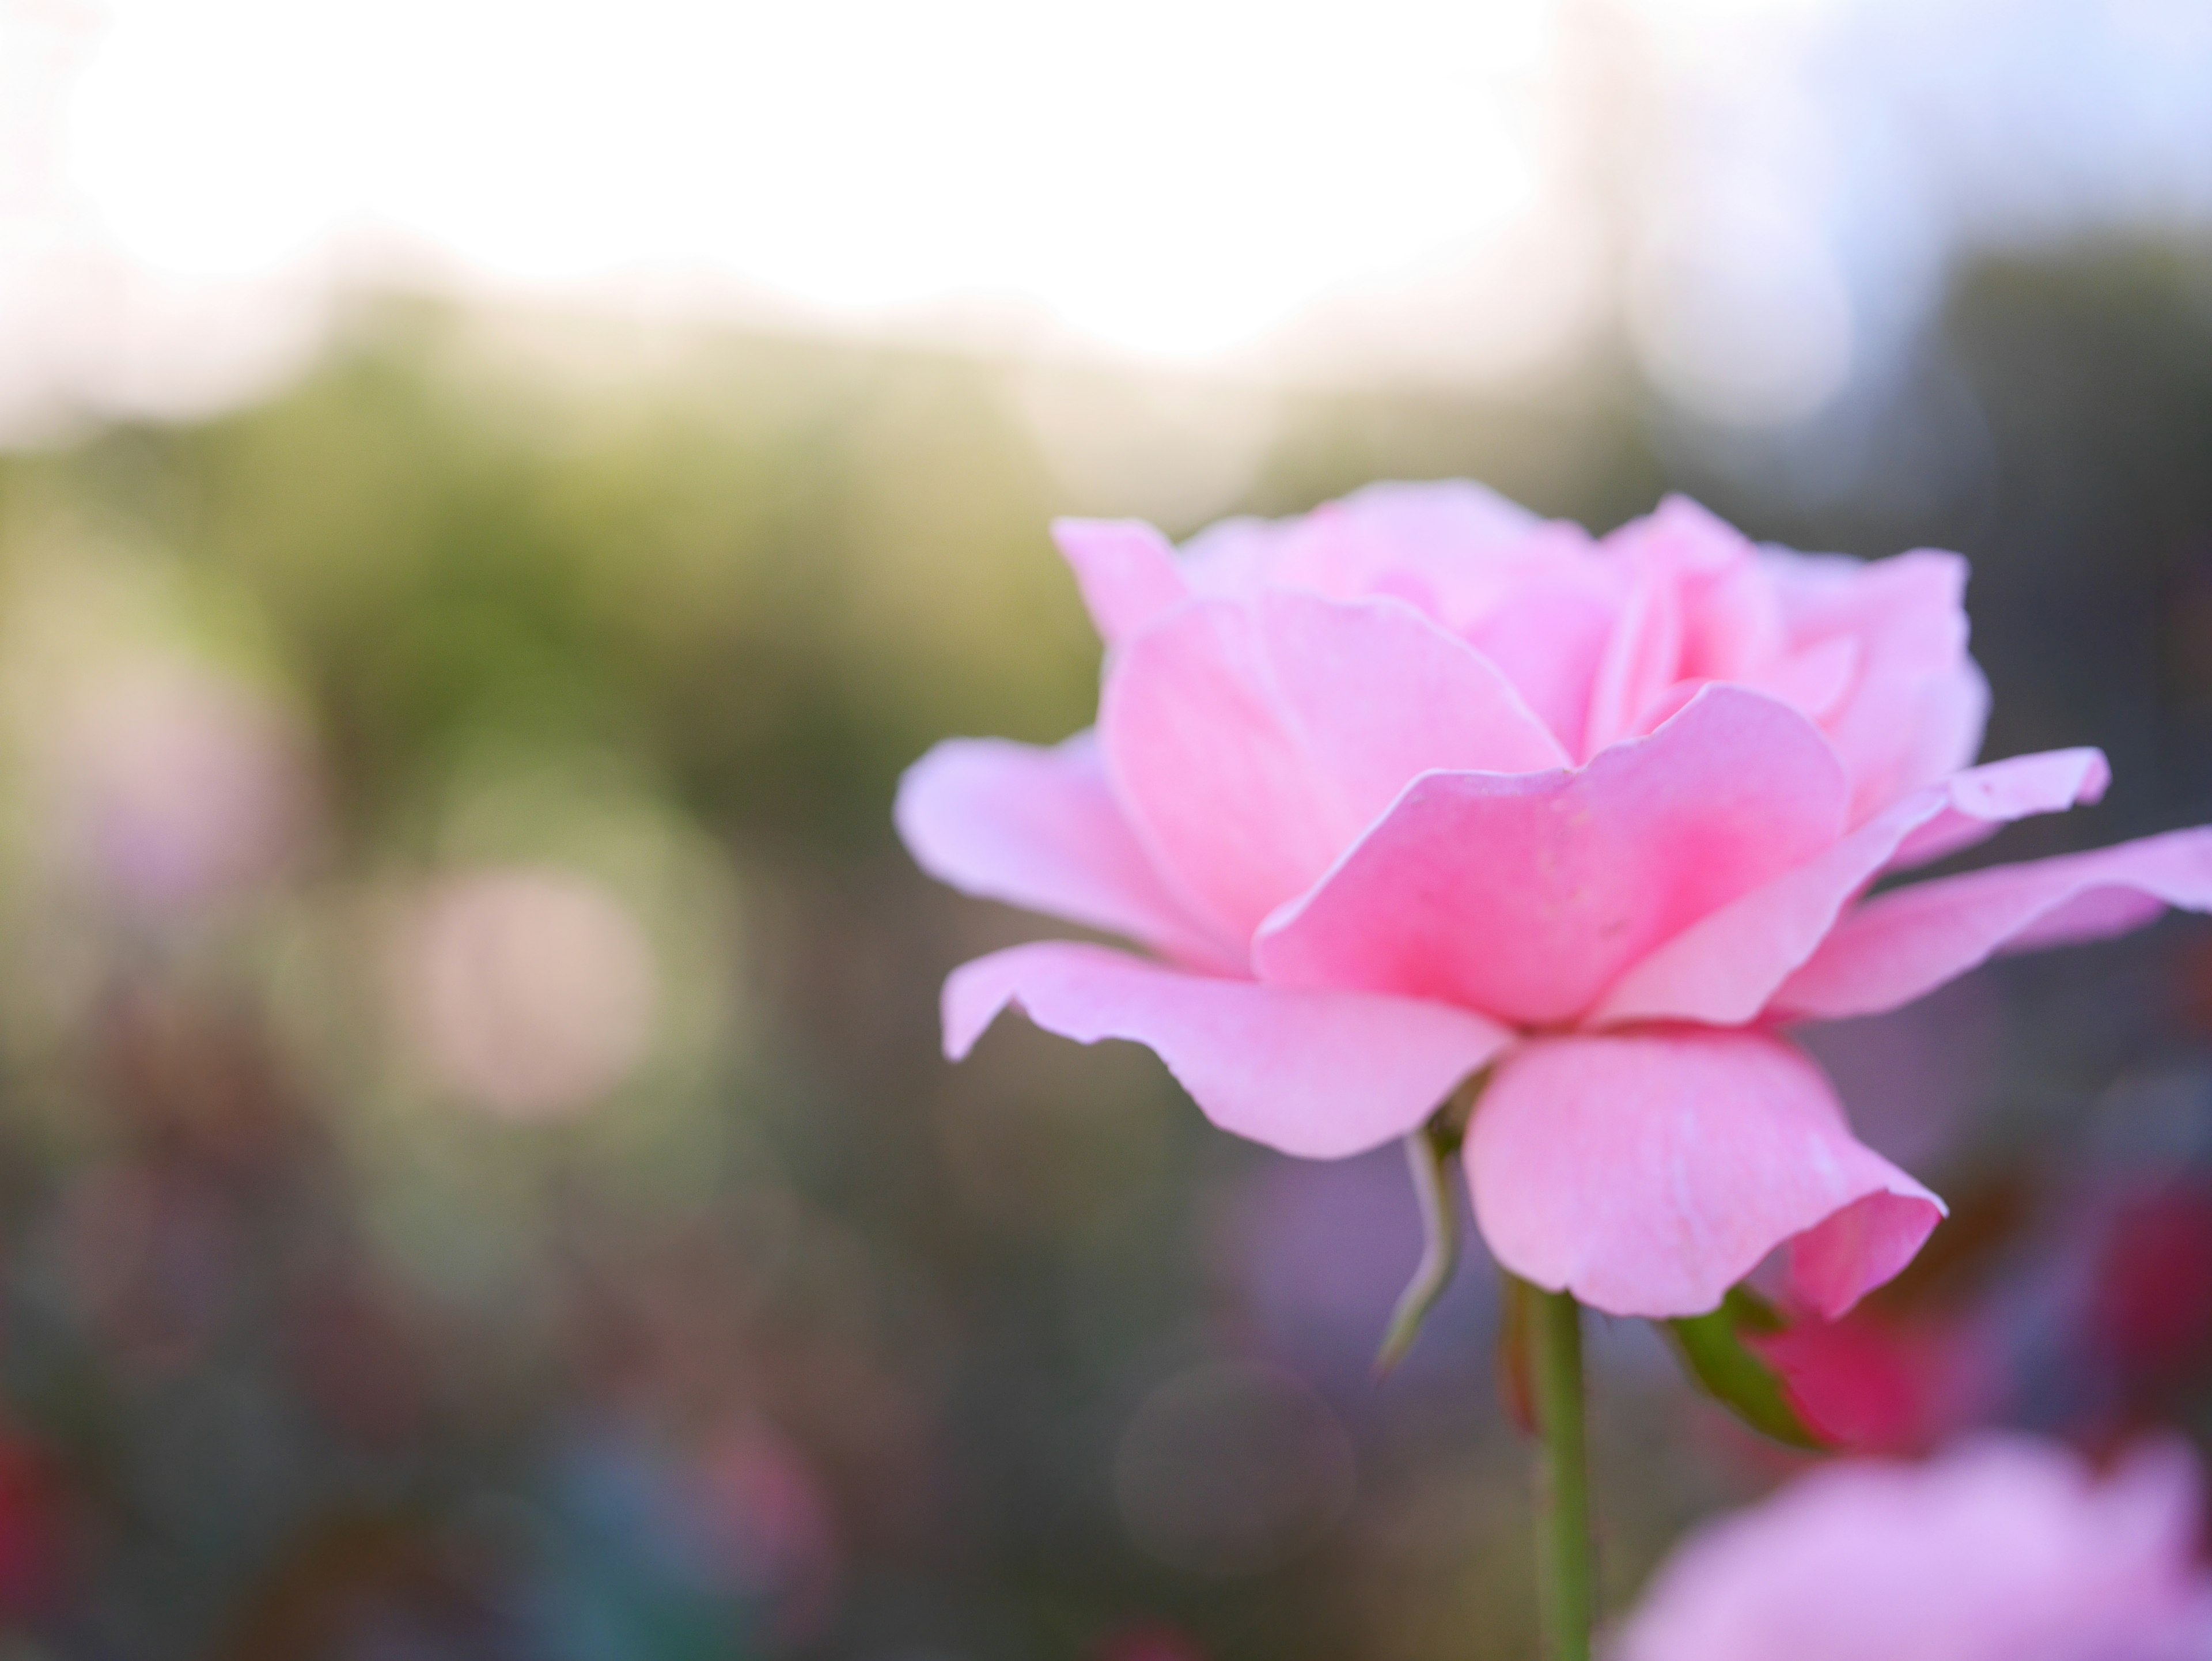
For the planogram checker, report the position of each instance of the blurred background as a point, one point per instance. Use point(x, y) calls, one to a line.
point(492, 494)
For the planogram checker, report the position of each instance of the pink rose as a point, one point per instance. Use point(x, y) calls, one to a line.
point(2006, 1549)
point(1418, 784)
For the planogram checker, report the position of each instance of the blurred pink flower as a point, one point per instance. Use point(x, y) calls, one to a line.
point(1875, 1384)
point(173, 784)
point(1417, 784)
point(2004, 1549)
point(531, 991)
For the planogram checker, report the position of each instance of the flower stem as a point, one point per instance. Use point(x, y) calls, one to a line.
point(1563, 1535)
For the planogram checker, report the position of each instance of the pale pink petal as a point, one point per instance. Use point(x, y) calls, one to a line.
point(1641, 660)
point(1525, 896)
point(1732, 623)
point(1126, 570)
point(1985, 799)
point(1812, 681)
point(1546, 636)
point(1218, 782)
point(1039, 828)
point(1448, 547)
point(1839, 1260)
point(1900, 945)
point(1254, 742)
point(1999, 1550)
point(1380, 695)
point(1342, 548)
point(1318, 1075)
point(1724, 967)
point(1649, 1173)
point(1916, 713)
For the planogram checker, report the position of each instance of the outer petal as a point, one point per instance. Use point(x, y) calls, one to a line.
point(1909, 941)
point(1252, 743)
point(1523, 897)
point(1648, 1174)
point(1723, 969)
point(1040, 829)
point(1318, 1075)
point(1126, 570)
point(1984, 800)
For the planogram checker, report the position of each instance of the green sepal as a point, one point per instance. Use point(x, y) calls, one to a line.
point(1430, 1151)
point(1714, 1352)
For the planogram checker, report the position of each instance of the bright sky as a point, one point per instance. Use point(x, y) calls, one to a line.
point(1168, 176)
point(1763, 192)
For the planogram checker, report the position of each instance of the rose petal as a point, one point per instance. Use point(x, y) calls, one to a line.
point(1253, 743)
point(1546, 636)
point(1724, 967)
point(1984, 800)
point(1917, 712)
point(1813, 680)
point(1523, 897)
point(1126, 570)
point(1903, 944)
point(1382, 694)
point(1039, 828)
point(1425, 542)
point(1318, 1075)
point(1846, 1254)
point(1648, 1174)
point(1219, 787)
point(1640, 660)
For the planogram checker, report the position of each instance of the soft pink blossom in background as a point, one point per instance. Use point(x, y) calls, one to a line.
point(531, 991)
point(1419, 784)
point(171, 784)
point(2003, 1549)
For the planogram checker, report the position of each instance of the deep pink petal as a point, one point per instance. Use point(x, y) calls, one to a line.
point(1523, 897)
point(1039, 828)
point(1723, 969)
point(1126, 570)
point(1649, 1173)
point(1318, 1075)
point(1254, 742)
point(1900, 945)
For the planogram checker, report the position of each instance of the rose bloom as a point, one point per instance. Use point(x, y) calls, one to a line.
point(1418, 784)
point(2005, 1549)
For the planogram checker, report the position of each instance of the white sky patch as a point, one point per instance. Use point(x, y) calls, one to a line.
point(1764, 193)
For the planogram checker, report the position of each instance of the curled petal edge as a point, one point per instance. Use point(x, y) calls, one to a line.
point(1318, 1075)
point(1649, 1173)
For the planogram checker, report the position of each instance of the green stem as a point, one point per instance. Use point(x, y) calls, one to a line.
point(1563, 1534)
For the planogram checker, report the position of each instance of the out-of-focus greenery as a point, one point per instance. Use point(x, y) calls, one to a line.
point(503, 677)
